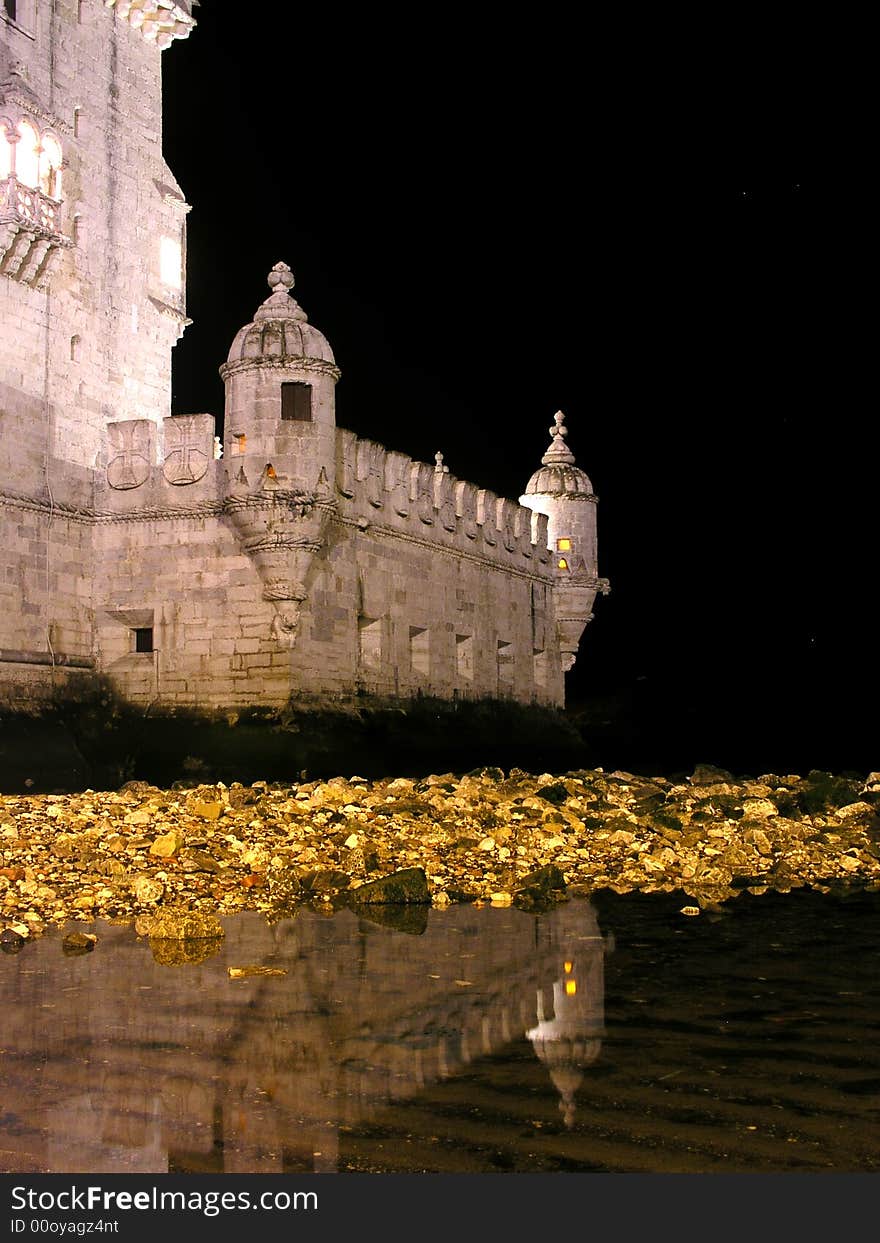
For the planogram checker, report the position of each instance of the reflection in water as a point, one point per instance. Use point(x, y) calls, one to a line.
point(472, 1040)
point(117, 1062)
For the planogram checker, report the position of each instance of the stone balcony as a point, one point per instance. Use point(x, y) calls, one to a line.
point(30, 233)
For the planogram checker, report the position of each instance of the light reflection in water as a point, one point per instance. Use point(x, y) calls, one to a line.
point(117, 1062)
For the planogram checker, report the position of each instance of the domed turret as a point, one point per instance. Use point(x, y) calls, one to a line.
point(564, 493)
point(557, 475)
point(280, 381)
point(281, 328)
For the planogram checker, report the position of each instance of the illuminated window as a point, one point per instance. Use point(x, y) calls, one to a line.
point(50, 167)
point(563, 545)
point(170, 263)
point(27, 155)
point(239, 442)
point(562, 564)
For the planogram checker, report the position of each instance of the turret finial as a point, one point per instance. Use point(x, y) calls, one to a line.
point(281, 304)
point(281, 278)
point(558, 452)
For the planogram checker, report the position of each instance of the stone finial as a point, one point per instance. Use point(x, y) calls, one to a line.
point(280, 304)
point(439, 468)
point(281, 274)
point(558, 452)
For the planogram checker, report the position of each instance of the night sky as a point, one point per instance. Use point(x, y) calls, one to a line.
point(492, 228)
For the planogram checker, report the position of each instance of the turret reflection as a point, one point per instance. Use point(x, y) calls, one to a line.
point(115, 1061)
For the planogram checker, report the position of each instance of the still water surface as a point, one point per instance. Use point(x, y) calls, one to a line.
point(610, 1035)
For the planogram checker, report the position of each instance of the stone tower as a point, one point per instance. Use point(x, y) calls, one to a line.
point(564, 493)
point(91, 222)
point(92, 260)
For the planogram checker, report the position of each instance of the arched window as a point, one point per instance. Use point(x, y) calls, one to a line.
point(5, 152)
point(27, 158)
point(50, 167)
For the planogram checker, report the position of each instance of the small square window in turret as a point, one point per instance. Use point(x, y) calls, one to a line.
point(563, 545)
point(296, 402)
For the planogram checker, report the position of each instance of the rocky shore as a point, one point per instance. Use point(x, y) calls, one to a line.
point(174, 861)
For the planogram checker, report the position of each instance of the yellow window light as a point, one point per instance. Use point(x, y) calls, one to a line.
point(563, 545)
point(562, 564)
point(567, 966)
point(571, 988)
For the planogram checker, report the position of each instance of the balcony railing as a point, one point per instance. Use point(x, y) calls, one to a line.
point(22, 205)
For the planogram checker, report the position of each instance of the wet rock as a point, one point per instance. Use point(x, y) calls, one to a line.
point(76, 943)
point(541, 888)
point(410, 885)
point(179, 924)
point(11, 941)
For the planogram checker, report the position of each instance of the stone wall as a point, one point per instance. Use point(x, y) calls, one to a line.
point(423, 584)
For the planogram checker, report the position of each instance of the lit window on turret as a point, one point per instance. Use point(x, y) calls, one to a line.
point(562, 564)
point(296, 402)
point(563, 545)
point(170, 263)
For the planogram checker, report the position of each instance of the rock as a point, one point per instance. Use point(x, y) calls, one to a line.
point(198, 861)
point(167, 844)
point(180, 924)
point(543, 887)
point(11, 941)
point(709, 775)
point(410, 885)
point(206, 811)
point(147, 890)
point(555, 793)
point(76, 943)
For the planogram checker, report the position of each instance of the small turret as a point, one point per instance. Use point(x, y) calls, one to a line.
point(280, 379)
point(564, 493)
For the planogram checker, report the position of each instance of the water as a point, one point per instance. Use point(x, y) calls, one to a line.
point(612, 1035)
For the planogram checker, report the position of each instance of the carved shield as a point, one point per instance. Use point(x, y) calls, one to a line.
point(189, 444)
point(129, 459)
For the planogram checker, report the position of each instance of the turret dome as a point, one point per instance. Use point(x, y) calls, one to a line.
point(281, 330)
point(557, 474)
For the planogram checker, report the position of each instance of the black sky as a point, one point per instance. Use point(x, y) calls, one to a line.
point(492, 226)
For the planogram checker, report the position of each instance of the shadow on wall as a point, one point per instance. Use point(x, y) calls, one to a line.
point(91, 737)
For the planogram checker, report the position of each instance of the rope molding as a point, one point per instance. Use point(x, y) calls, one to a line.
point(217, 509)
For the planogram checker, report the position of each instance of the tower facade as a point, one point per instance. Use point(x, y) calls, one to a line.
point(92, 256)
